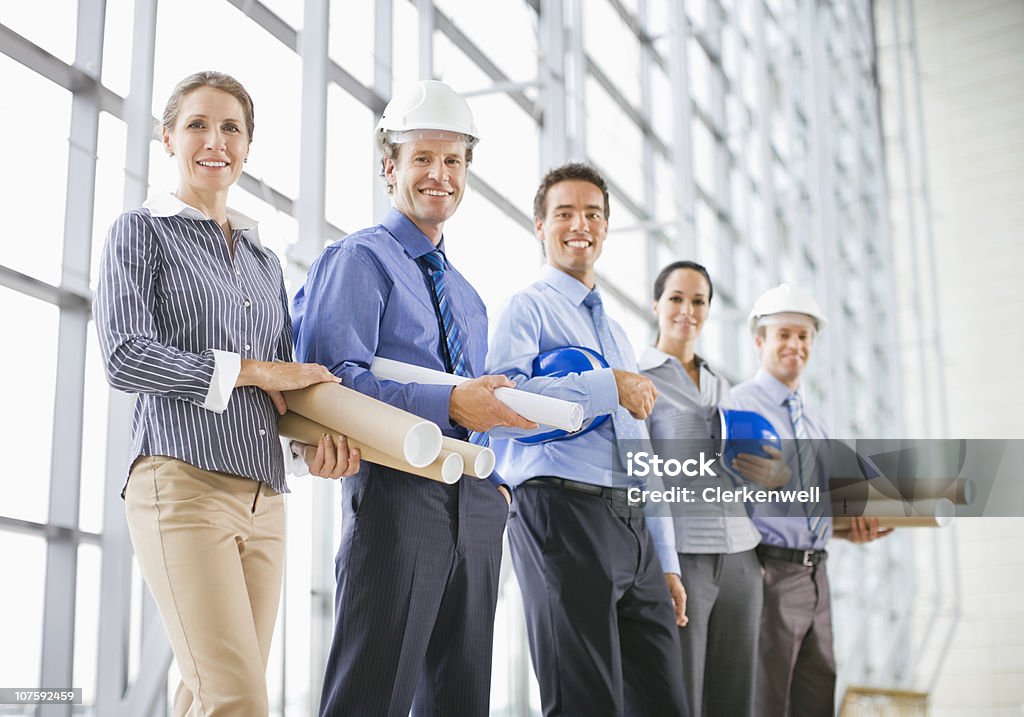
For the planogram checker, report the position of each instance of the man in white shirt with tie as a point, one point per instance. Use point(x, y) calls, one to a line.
point(796, 666)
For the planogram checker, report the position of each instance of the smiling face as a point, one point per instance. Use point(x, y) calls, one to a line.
point(573, 229)
point(785, 350)
point(427, 180)
point(209, 141)
point(682, 307)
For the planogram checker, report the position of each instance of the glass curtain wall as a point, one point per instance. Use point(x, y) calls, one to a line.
point(744, 135)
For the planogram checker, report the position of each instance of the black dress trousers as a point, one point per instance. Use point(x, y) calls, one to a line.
point(417, 587)
point(600, 619)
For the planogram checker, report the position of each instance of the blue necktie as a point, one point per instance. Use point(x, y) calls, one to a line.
point(627, 429)
point(805, 464)
point(455, 363)
point(454, 360)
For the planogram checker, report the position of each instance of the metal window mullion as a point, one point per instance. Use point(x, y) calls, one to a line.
point(554, 141)
point(682, 142)
point(69, 394)
point(650, 190)
point(880, 192)
point(112, 689)
point(311, 206)
point(822, 187)
point(576, 81)
point(426, 36)
point(929, 233)
point(383, 54)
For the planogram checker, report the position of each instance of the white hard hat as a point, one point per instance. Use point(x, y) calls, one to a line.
point(428, 105)
point(786, 299)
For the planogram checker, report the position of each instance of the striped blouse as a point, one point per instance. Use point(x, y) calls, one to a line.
point(684, 421)
point(176, 313)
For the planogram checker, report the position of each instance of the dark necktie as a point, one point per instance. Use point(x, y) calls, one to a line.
point(454, 360)
point(455, 363)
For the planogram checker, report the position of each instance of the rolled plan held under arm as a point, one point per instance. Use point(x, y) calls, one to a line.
point(545, 410)
point(448, 467)
point(390, 430)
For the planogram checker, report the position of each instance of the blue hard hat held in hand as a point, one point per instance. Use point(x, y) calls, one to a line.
point(746, 432)
point(558, 363)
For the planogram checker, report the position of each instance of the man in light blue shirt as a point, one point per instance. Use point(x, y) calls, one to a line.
point(796, 667)
point(592, 567)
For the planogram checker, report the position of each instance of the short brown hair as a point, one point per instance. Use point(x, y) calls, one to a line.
point(216, 80)
point(570, 171)
point(389, 150)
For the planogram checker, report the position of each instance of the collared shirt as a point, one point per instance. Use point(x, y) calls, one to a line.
point(684, 421)
point(550, 314)
point(369, 295)
point(175, 313)
point(782, 524)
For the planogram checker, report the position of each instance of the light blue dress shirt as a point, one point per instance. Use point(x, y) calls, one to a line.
point(784, 525)
point(550, 314)
point(368, 295)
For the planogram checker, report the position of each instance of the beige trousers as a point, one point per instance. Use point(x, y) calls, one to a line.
point(211, 549)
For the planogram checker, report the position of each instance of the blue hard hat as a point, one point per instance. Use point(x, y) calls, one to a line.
point(746, 432)
point(558, 363)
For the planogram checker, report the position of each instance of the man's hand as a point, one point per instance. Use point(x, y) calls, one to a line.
point(678, 593)
point(332, 458)
point(863, 530)
point(474, 406)
point(768, 472)
point(636, 393)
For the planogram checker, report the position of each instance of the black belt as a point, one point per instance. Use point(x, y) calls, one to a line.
point(810, 558)
point(619, 496)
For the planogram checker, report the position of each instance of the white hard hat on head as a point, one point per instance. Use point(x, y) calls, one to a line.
point(786, 299)
point(428, 110)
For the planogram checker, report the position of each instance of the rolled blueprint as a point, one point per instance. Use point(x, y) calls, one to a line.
point(959, 490)
point(446, 468)
point(369, 421)
point(540, 409)
point(479, 460)
point(843, 524)
point(940, 510)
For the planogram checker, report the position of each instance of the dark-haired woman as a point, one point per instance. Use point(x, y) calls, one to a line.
point(716, 542)
point(192, 316)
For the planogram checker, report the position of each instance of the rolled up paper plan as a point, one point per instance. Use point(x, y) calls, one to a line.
point(479, 460)
point(446, 468)
point(540, 409)
point(940, 509)
point(959, 490)
point(843, 524)
point(371, 422)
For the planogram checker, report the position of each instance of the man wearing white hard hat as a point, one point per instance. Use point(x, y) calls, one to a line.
point(796, 667)
point(598, 575)
point(418, 564)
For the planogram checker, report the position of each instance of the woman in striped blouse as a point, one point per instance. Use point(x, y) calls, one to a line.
point(720, 570)
point(192, 316)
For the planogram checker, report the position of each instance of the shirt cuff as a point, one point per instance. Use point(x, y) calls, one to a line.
point(603, 391)
point(226, 367)
point(664, 543)
point(435, 403)
point(294, 458)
